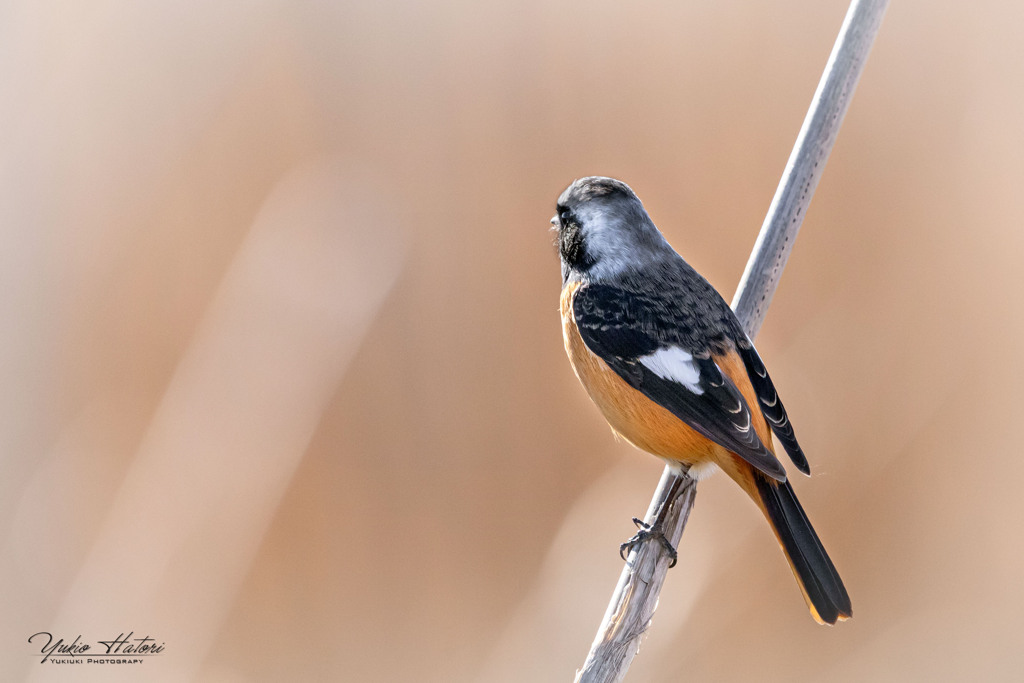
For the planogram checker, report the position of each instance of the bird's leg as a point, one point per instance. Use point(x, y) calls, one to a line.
point(657, 528)
point(646, 532)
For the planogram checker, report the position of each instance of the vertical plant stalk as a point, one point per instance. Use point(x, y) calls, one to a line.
point(635, 598)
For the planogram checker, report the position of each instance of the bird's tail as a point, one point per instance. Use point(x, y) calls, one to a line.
point(822, 588)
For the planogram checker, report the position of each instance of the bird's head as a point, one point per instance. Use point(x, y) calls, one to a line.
point(602, 231)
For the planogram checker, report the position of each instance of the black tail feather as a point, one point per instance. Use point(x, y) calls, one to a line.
point(817, 575)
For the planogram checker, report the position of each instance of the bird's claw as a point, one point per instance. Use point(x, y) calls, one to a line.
point(645, 532)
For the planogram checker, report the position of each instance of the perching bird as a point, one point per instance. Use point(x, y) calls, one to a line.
point(667, 362)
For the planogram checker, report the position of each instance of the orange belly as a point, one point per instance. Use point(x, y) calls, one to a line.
point(641, 421)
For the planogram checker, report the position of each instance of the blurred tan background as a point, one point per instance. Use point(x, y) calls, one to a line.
point(284, 386)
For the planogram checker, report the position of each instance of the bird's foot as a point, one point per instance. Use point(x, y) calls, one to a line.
point(645, 533)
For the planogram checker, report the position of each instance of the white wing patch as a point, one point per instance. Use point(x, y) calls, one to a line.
point(676, 365)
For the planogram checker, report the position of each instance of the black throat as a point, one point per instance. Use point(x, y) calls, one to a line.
point(572, 249)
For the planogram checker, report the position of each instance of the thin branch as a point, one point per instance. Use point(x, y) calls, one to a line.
point(806, 162)
point(636, 595)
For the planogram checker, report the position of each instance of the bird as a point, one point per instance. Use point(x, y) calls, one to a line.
point(673, 372)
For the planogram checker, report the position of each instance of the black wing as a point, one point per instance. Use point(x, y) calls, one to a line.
point(624, 329)
point(772, 408)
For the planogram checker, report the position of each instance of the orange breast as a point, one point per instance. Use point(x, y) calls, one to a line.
point(638, 419)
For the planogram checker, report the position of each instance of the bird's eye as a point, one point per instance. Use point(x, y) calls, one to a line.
point(565, 217)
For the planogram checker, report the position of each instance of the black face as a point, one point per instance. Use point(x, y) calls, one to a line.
point(570, 240)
